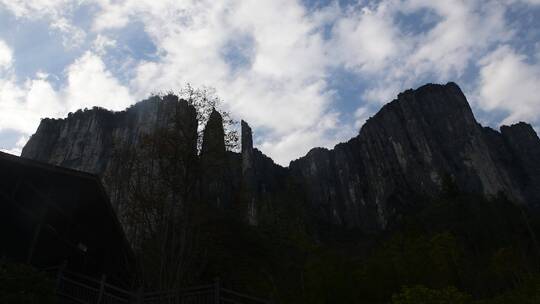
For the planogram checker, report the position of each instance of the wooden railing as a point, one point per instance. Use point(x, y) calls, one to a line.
point(77, 288)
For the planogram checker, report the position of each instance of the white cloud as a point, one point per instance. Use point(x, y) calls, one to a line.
point(367, 39)
point(102, 43)
point(383, 92)
point(59, 14)
point(6, 56)
point(35, 8)
point(89, 84)
point(118, 14)
point(510, 84)
point(466, 30)
point(72, 36)
point(22, 107)
point(285, 148)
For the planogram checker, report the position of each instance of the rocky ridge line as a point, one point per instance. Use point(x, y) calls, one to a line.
point(408, 148)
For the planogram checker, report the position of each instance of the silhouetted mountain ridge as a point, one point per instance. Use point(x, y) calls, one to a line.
point(410, 147)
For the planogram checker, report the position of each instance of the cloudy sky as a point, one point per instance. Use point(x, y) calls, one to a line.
point(302, 73)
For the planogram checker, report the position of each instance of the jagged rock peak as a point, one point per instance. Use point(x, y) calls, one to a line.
point(434, 102)
point(214, 135)
point(247, 151)
point(216, 176)
point(247, 136)
point(521, 129)
point(170, 98)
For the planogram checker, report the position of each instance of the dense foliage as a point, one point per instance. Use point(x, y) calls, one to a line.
point(457, 249)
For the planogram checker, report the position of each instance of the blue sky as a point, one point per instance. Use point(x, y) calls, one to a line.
point(302, 73)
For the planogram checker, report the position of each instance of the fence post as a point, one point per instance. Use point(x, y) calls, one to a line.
point(59, 275)
point(101, 288)
point(217, 286)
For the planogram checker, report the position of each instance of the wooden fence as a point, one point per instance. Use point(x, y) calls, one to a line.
point(80, 289)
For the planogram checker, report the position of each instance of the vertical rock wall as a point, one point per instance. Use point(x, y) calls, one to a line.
point(408, 148)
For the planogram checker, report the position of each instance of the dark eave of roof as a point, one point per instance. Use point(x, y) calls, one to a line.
point(47, 167)
point(89, 177)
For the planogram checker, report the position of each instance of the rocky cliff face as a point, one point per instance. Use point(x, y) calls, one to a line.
point(109, 143)
point(408, 148)
point(262, 179)
point(85, 140)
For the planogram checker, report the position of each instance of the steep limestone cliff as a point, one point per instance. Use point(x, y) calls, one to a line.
point(262, 179)
point(85, 139)
point(409, 148)
point(100, 142)
point(215, 175)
